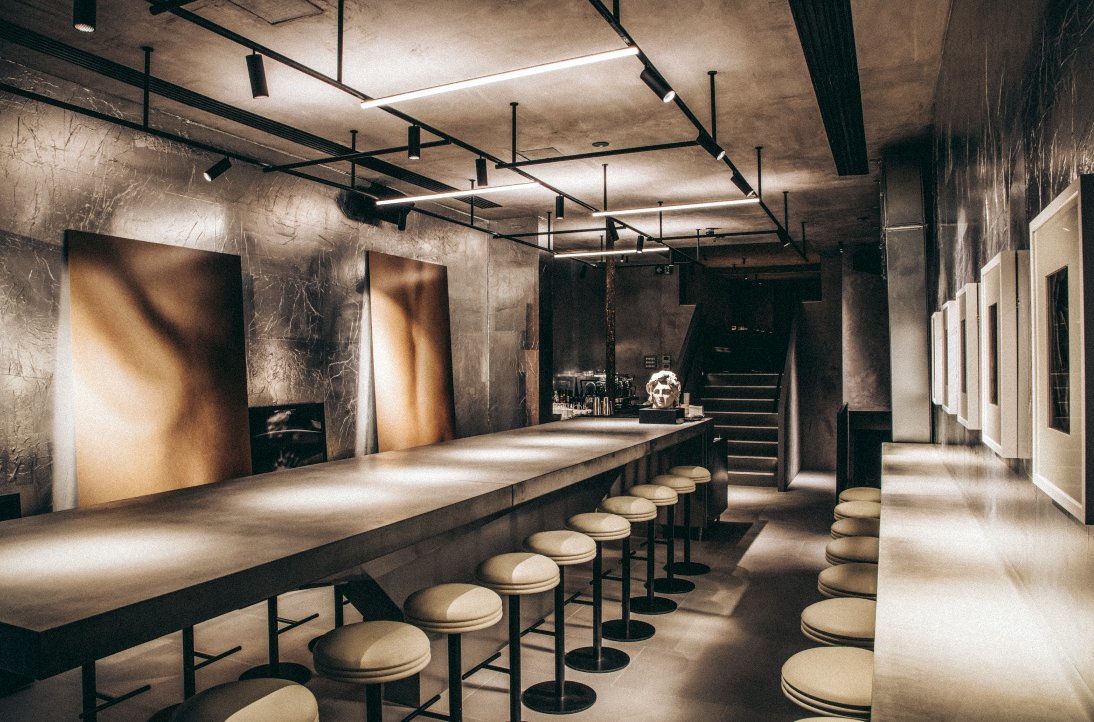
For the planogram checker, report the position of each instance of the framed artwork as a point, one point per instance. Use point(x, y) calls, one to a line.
point(1005, 412)
point(938, 358)
point(1061, 256)
point(287, 436)
point(951, 312)
point(968, 306)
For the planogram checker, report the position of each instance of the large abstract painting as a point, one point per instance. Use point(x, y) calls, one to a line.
point(159, 379)
point(411, 352)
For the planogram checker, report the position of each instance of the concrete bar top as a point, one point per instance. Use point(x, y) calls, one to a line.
point(78, 585)
point(958, 638)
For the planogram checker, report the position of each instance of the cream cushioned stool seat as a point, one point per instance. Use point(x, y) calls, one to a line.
point(683, 487)
point(857, 526)
point(849, 580)
point(697, 474)
point(861, 493)
point(852, 549)
point(845, 622)
point(371, 653)
point(600, 528)
point(679, 484)
point(659, 495)
point(252, 700)
point(831, 681)
point(453, 609)
point(516, 574)
point(858, 510)
point(634, 509)
point(565, 548)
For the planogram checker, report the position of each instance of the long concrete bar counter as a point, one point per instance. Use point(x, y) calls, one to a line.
point(79, 585)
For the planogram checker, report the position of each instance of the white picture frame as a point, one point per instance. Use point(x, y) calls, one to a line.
point(968, 407)
point(938, 358)
point(1005, 365)
point(952, 319)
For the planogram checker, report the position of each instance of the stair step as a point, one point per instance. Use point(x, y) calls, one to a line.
point(751, 463)
point(712, 391)
point(768, 449)
point(748, 433)
point(764, 405)
point(742, 418)
point(751, 478)
point(742, 379)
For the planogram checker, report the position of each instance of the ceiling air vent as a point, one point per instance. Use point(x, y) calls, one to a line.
point(279, 11)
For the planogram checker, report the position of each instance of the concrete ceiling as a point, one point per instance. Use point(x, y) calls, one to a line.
point(765, 97)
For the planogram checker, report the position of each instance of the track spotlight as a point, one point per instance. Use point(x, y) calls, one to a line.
point(658, 85)
point(258, 76)
point(641, 243)
point(414, 143)
point(480, 172)
point(83, 15)
point(710, 146)
point(221, 165)
point(612, 233)
point(784, 237)
point(560, 207)
point(740, 182)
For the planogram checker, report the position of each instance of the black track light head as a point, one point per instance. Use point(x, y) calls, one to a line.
point(480, 173)
point(218, 169)
point(581, 273)
point(612, 233)
point(658, 85)
point(560, 208)
point(641, 243)
point(257, 74)
point(83, 15)
point(710, 146)
point(740, 182)
point(414, 142)
point(784, 237)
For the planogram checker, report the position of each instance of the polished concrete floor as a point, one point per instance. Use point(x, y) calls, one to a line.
point(717, 658)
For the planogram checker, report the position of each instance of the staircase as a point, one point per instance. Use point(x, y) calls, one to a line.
point(743, 406)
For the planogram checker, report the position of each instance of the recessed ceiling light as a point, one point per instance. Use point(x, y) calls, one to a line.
point(601, 144)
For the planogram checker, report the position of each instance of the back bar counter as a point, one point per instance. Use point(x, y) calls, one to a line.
point(79, 585)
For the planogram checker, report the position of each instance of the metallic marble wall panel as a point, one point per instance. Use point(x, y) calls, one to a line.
point(820, 369)
point(411, 352)
point(514, 332)
point(908, 331)
point(650, 322)
point(866, 380)
point(159, 367)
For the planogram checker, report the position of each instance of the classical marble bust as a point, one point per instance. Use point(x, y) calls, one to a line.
point(664, 389)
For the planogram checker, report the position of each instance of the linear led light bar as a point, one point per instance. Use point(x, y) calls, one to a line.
point(458, 194)
point(609, 253)
point(524, 72)
point(683, 207)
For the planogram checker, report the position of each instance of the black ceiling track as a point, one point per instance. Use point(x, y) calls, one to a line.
point(828, 40)
point(108, 68)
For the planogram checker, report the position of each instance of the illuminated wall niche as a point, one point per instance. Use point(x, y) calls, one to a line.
point(968, 305)
point(938, 358)
point(952, 317)
point(1062, 244)
point(1005, 355)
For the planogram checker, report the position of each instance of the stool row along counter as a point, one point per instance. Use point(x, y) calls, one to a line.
point(836, 680)
point(372, 653)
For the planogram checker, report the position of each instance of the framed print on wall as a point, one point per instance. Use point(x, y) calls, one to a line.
point(1005, 412)
point(938, 358)
point(968, 305)
point(1061, 256)
point(952, 318)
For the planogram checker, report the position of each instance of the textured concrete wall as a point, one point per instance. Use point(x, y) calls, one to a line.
point(579, 325)
point(866, 373)
point(649, 321)
point(820, 370)
point(302, 265)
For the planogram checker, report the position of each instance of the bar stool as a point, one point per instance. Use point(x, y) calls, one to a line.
point(371, 653)
point(272, 700)
point(858, 510)
point(564, 548)
point(849, 580)
point(846, 622)
point(516, 574)
point(685, 488)
point(698, 475)
point(853, 549)
point(599, 527)
point(649, 604)
point(833, 681)
point(861, 493)
point(634, 509)
point(453, 610)
point(856, 527)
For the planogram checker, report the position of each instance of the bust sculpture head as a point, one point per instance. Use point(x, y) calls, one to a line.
point(664, 389)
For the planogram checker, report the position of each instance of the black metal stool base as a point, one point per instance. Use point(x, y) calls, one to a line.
point(585, 659)
point(285, 670)
point(544, 697)
point(635, 631)
point(657, 605)
point(688, 569)
point(672, 586)
point(165, 714)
